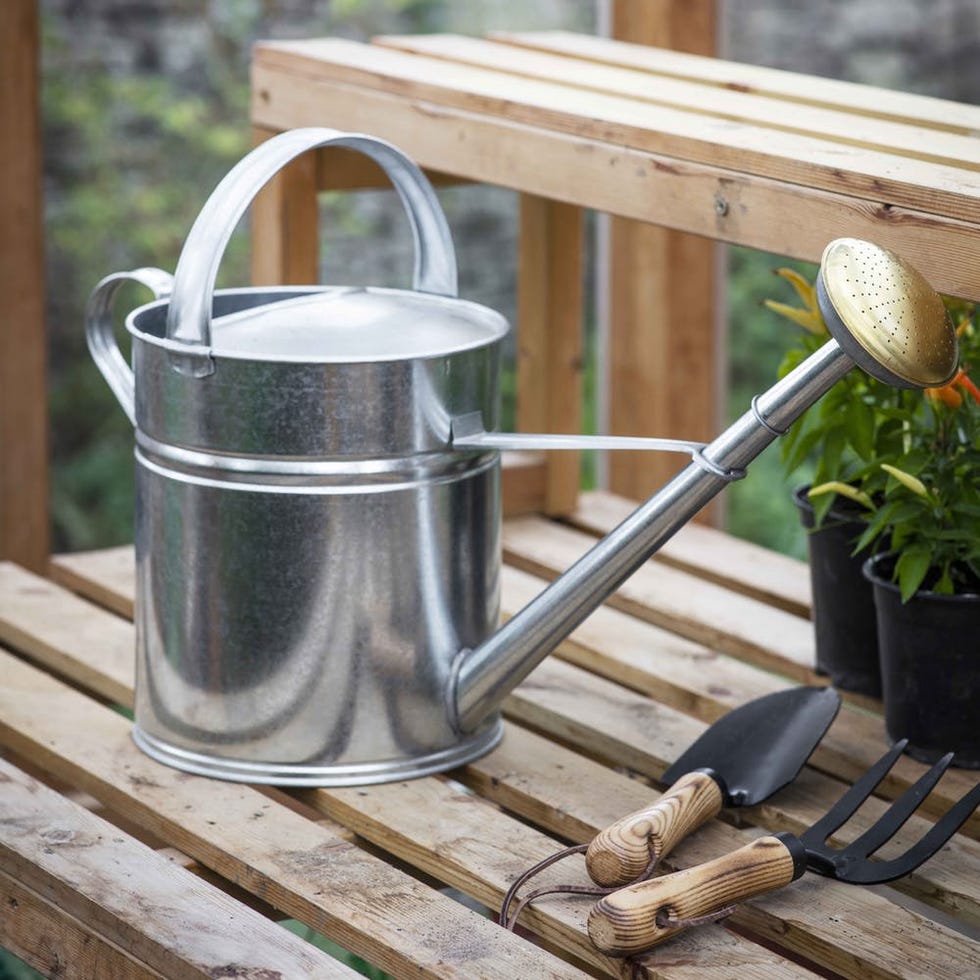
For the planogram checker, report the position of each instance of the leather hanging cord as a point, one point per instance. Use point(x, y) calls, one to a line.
point(509, 921)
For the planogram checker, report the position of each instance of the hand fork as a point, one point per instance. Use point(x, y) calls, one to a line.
point(639, 916)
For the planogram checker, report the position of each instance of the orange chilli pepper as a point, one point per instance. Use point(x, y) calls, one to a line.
point(964, 381)
point(947, 394)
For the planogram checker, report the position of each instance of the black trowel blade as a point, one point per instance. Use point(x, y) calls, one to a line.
point(761, 746)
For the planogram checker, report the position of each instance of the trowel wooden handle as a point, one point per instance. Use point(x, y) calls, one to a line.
point(645, 914)
point(621, 852)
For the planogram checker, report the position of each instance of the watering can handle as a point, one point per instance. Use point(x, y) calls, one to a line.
point(189, 314)
point(100, 335)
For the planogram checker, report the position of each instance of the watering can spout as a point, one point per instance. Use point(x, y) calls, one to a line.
point(917, 348)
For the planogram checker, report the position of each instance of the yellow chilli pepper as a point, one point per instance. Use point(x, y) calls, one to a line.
point(845, 490)
point(912, 482)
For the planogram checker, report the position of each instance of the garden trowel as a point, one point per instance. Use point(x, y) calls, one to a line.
point(742, 759)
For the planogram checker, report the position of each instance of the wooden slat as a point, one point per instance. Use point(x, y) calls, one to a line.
point(106, 576)
point(52, 942)
point(671, 669)
point(297, 865)
point(713, 555)
point(792, 220)
point(837, 125)
point(760, 151)
point(549, 339)
point(26, 605)
point(125, 893)
point(699, 610)
point(24, 520)
point(790, 87)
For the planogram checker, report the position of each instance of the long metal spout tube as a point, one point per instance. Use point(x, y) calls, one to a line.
point(483, 677)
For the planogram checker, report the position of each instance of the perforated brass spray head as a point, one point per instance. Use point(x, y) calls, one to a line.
point(885, 315)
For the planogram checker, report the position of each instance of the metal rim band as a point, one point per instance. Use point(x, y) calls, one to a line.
point(729, 476)
point(762, 420)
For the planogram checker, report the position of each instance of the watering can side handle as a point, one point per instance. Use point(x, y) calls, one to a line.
point(189, 315)
point(100, 335)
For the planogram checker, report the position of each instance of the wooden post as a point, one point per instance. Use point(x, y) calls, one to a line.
point(24, 521)
point(549, 336)
point(285, 233)
point(661, 290)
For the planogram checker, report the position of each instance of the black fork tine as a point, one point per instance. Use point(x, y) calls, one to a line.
point(885, 828)
point(863, 872)
point(844, 808)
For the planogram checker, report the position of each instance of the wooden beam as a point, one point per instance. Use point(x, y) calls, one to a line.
point(549, 336)
point(661, 296)
point(285, 238)
point(24, 522)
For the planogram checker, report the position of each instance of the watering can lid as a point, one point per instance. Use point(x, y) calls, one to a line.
point(341, 324)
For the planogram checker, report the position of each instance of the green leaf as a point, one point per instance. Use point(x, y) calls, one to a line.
point(859, 425)
point(801, 450)
point(945, 584)
point(829, 463)
point(911, 568)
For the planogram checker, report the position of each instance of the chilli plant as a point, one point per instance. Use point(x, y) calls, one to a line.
point(907, 462)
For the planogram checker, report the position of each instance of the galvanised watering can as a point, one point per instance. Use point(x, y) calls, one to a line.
point(318, 494)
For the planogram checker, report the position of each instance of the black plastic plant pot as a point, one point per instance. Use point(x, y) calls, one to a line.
point(843, 602)
point(930, 667)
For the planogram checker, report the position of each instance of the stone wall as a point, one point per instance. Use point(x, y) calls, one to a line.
point(932, 48)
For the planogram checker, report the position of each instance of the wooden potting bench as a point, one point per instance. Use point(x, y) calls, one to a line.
point(113, 865)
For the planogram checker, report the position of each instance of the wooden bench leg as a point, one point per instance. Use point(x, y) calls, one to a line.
point(285, 232)
point(549, 336)
point(24, 521)
point(662, 349)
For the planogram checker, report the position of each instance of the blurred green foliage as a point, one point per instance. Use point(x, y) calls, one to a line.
point(330, 947)
point(12, 968)
point(109, 211)
point(760, 507)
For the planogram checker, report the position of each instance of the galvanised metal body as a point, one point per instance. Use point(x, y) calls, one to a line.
point(317, 533)
point(311, 552)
